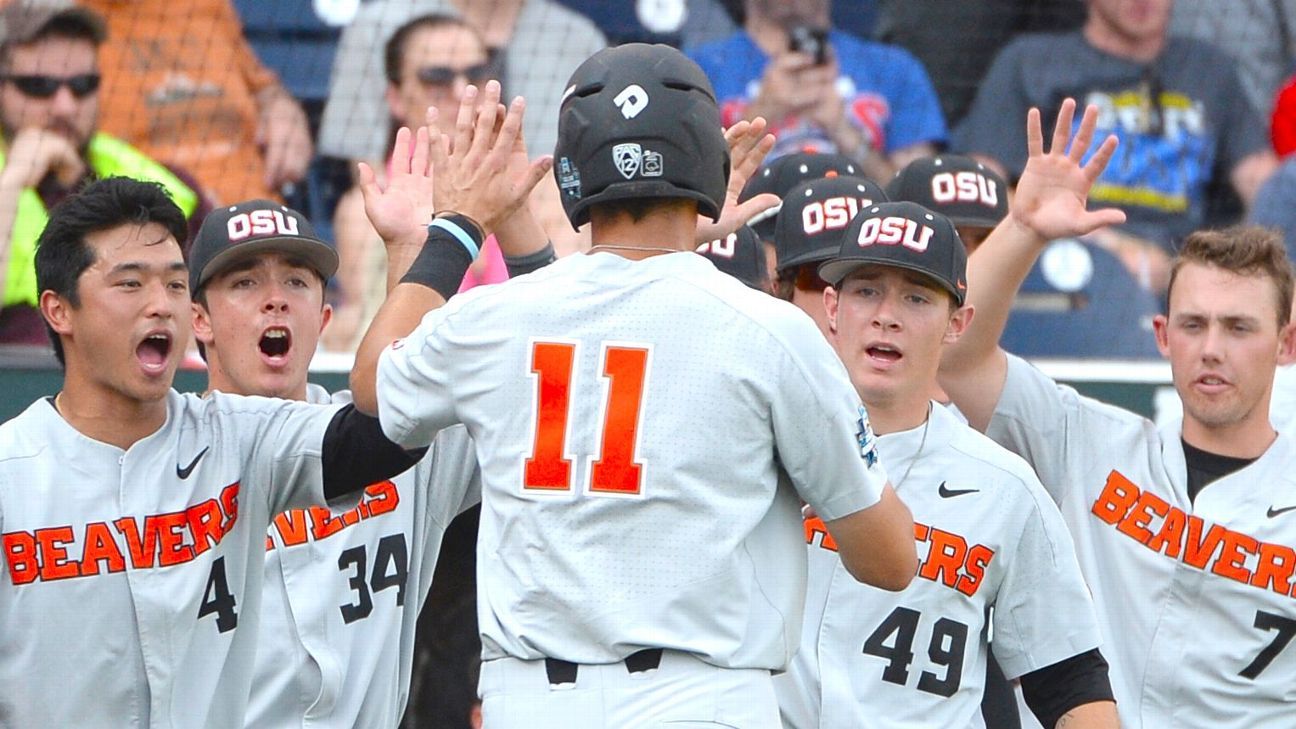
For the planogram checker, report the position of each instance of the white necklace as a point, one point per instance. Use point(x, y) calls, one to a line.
point(922, 443)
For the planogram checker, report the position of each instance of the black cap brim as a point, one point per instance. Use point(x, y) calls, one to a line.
point(835, 271)
point(317, 254)
point(813, 256)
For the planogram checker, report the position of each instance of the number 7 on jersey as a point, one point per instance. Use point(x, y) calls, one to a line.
point(616, 469)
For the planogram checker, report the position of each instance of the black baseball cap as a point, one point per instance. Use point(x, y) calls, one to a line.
point(816, 214)
point(780, 175)
point(234, 232)
point(960, 188)
point(741, 255)
point(905, 235)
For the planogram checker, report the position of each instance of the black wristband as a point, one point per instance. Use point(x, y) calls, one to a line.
point(445, 256)
point(522, 265)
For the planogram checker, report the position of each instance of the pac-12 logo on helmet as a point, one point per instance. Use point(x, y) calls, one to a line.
point(628, 158)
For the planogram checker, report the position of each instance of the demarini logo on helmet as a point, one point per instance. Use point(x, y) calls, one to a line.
point(632, 100)
point(632, 159)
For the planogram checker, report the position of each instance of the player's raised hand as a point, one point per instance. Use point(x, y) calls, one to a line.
point(401, 210)
point(748, 145)
point(477, 170)
point(1054, 187)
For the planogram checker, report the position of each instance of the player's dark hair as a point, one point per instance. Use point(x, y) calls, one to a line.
point(394, 50)
point(784, 287)
point(69, 27)
point(62, 253)
point(636, 208)
point(1245, 250)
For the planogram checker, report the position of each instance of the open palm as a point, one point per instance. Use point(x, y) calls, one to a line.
point(1054, 186)
point(748, 145)
point(401, 210)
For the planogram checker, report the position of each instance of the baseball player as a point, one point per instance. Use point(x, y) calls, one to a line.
point(639, 559)
point(989, 536)
point(975, 199)
point(973, 196)
point(810, 224)
point(741, 255)
point(781, 175)
point(133, 518)
point(1184, 533)
point(342, 591)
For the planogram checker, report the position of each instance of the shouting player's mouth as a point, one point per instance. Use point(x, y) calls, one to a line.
point(883, 355)
point(275, 345)
point(154, 352)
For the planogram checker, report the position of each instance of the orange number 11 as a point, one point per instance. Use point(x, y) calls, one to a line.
point(616, 470)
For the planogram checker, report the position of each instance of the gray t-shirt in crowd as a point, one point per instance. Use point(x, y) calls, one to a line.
point(1181, 120)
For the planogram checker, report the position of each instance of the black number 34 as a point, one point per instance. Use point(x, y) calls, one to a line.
point(391, 567)
point(947, 649)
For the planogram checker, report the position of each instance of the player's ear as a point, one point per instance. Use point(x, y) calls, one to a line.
point(1287, 344)
point(959, 322)
point(202, 329)
point(830, 307)
point(1161, 327)
point(326, 316)
point(57, 311)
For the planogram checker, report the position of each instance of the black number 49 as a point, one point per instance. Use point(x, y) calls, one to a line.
point(947, 649)
point(1286, 628)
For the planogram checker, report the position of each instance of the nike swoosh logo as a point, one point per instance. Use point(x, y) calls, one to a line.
point(1276, 512)
point(951, 493)
point(183, 473)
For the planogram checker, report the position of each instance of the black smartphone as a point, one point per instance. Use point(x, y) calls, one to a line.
point(811, 41)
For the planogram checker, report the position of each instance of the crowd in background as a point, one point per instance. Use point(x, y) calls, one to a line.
point(228, 100)
point(223, 101)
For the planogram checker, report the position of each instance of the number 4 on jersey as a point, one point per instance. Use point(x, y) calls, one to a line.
point(218, 600)
point(615, 470)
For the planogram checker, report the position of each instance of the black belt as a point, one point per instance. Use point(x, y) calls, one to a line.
point(560, 671)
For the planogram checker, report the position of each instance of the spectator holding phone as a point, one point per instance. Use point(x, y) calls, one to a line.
point(824, 90)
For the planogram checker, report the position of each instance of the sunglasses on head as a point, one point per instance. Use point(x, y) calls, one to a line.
point(446, 75)
point(44, 87)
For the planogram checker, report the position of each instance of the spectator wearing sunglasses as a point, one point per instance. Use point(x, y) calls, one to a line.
point(428, 61)
point(49, 115)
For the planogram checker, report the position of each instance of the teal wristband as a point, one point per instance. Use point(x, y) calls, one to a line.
point(460, 235)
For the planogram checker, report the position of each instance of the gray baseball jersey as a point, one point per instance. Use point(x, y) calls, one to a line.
point(1194, 599)
point(343, 593)
point(134, 577)
point(988, 537)
point(642, 442)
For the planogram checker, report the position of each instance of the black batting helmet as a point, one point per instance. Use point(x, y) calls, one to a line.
point(640, 121)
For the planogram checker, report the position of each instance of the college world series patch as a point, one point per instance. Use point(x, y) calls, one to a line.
point(867, 441)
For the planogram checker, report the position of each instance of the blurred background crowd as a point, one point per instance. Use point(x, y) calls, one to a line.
point(228, 100)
